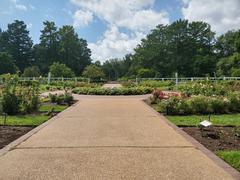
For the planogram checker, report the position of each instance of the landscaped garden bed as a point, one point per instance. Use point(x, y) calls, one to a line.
point(216, 138)
point(113, 91)
point(22, 108)
point(216, 102)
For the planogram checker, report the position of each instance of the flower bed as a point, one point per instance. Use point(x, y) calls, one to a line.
point(113, 91)
point(178, 104)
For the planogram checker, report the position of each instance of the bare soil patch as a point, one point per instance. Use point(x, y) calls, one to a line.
point(10, 133)
point(216, 138)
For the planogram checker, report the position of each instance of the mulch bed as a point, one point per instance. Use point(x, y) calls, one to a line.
point(10, 133)
point(216, 138)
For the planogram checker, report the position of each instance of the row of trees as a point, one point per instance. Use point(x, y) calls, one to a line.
point(18, 53)
point(191, 49)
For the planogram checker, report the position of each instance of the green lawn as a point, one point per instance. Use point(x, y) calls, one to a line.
point(57, 108)
point(193, 120)
point(25, 120)
point(231, 157)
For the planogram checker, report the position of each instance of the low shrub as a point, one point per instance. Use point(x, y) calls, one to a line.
point(157, 84)
point(113, 91)
point(234, 99)
point(30, 97)
point(10, 103)
point(19, 97)
point(198, 105)
point(203, 88)
point(66, 98)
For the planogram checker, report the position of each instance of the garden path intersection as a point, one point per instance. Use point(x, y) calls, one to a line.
point(103, 137)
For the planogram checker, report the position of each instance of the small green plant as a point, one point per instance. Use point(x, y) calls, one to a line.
point(53, 98)
point(66, 98)
point(10, 100)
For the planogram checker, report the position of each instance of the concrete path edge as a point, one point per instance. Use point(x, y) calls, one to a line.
point(23, 138)
point(226, 167)
point(218, 161)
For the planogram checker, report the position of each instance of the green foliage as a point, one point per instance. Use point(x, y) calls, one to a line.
point(47, 51)
point(231, 157)
point(235, 72)
point(60, 70)
point(61, 45)
point(93, 72)
point(145, 73)
point(217, 120)
point(229, 66)
point(56, 108)
point(117, 68)
point(157, 84)
point(65, 98)
point(113, 91)
point(227, 43)
point(19, 44)
point(25, 120)
point(206, 88)
point(183, 47)
point(19, 97)
point(200, 105)
point(6, 64)
point(29, 96)
point(10, 100)
point(74, 51)
point(32, 71)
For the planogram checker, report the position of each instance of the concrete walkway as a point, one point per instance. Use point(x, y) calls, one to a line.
point(108, 138)
point(112, 85)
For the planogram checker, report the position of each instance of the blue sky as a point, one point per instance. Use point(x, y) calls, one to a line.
point(114, 27)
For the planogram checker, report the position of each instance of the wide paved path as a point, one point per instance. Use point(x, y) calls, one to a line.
point(108, 138)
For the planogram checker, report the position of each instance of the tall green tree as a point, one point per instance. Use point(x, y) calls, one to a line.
point(228, 43)
point(181, 47)
point(228, 66)
point(73, 51)
point(6, 64)
point(47, 51)
point(19, 44)
point(93, 72)
point(60, 70)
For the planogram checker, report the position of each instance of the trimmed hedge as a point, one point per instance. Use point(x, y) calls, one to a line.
point(113, 91)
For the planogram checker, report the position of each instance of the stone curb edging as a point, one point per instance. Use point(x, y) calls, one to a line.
point(23, 138)
point(218, 161)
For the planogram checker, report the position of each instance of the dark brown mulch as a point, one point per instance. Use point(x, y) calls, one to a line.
point(216, 138)
point(10, 133)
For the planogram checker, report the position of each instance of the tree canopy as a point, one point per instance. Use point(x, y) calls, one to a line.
point(6, 64)
point(93, 72)
point(56, 45)
point(189, 48)
point(181, 47)
point(60, 70)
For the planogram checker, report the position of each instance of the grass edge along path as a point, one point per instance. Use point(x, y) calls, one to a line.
point(231, 157)
point(57, 108)
point(194, 120)
point(24, 120)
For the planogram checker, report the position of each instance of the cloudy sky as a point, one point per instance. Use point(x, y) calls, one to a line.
point(114, 27)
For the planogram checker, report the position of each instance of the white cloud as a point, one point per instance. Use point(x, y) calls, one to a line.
point(132, 14)
point(144, 20)
point(137, 16)
point(29, 25)
point(221, 15)
point(115, 44)
point(19, 6)
point(82, 18)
